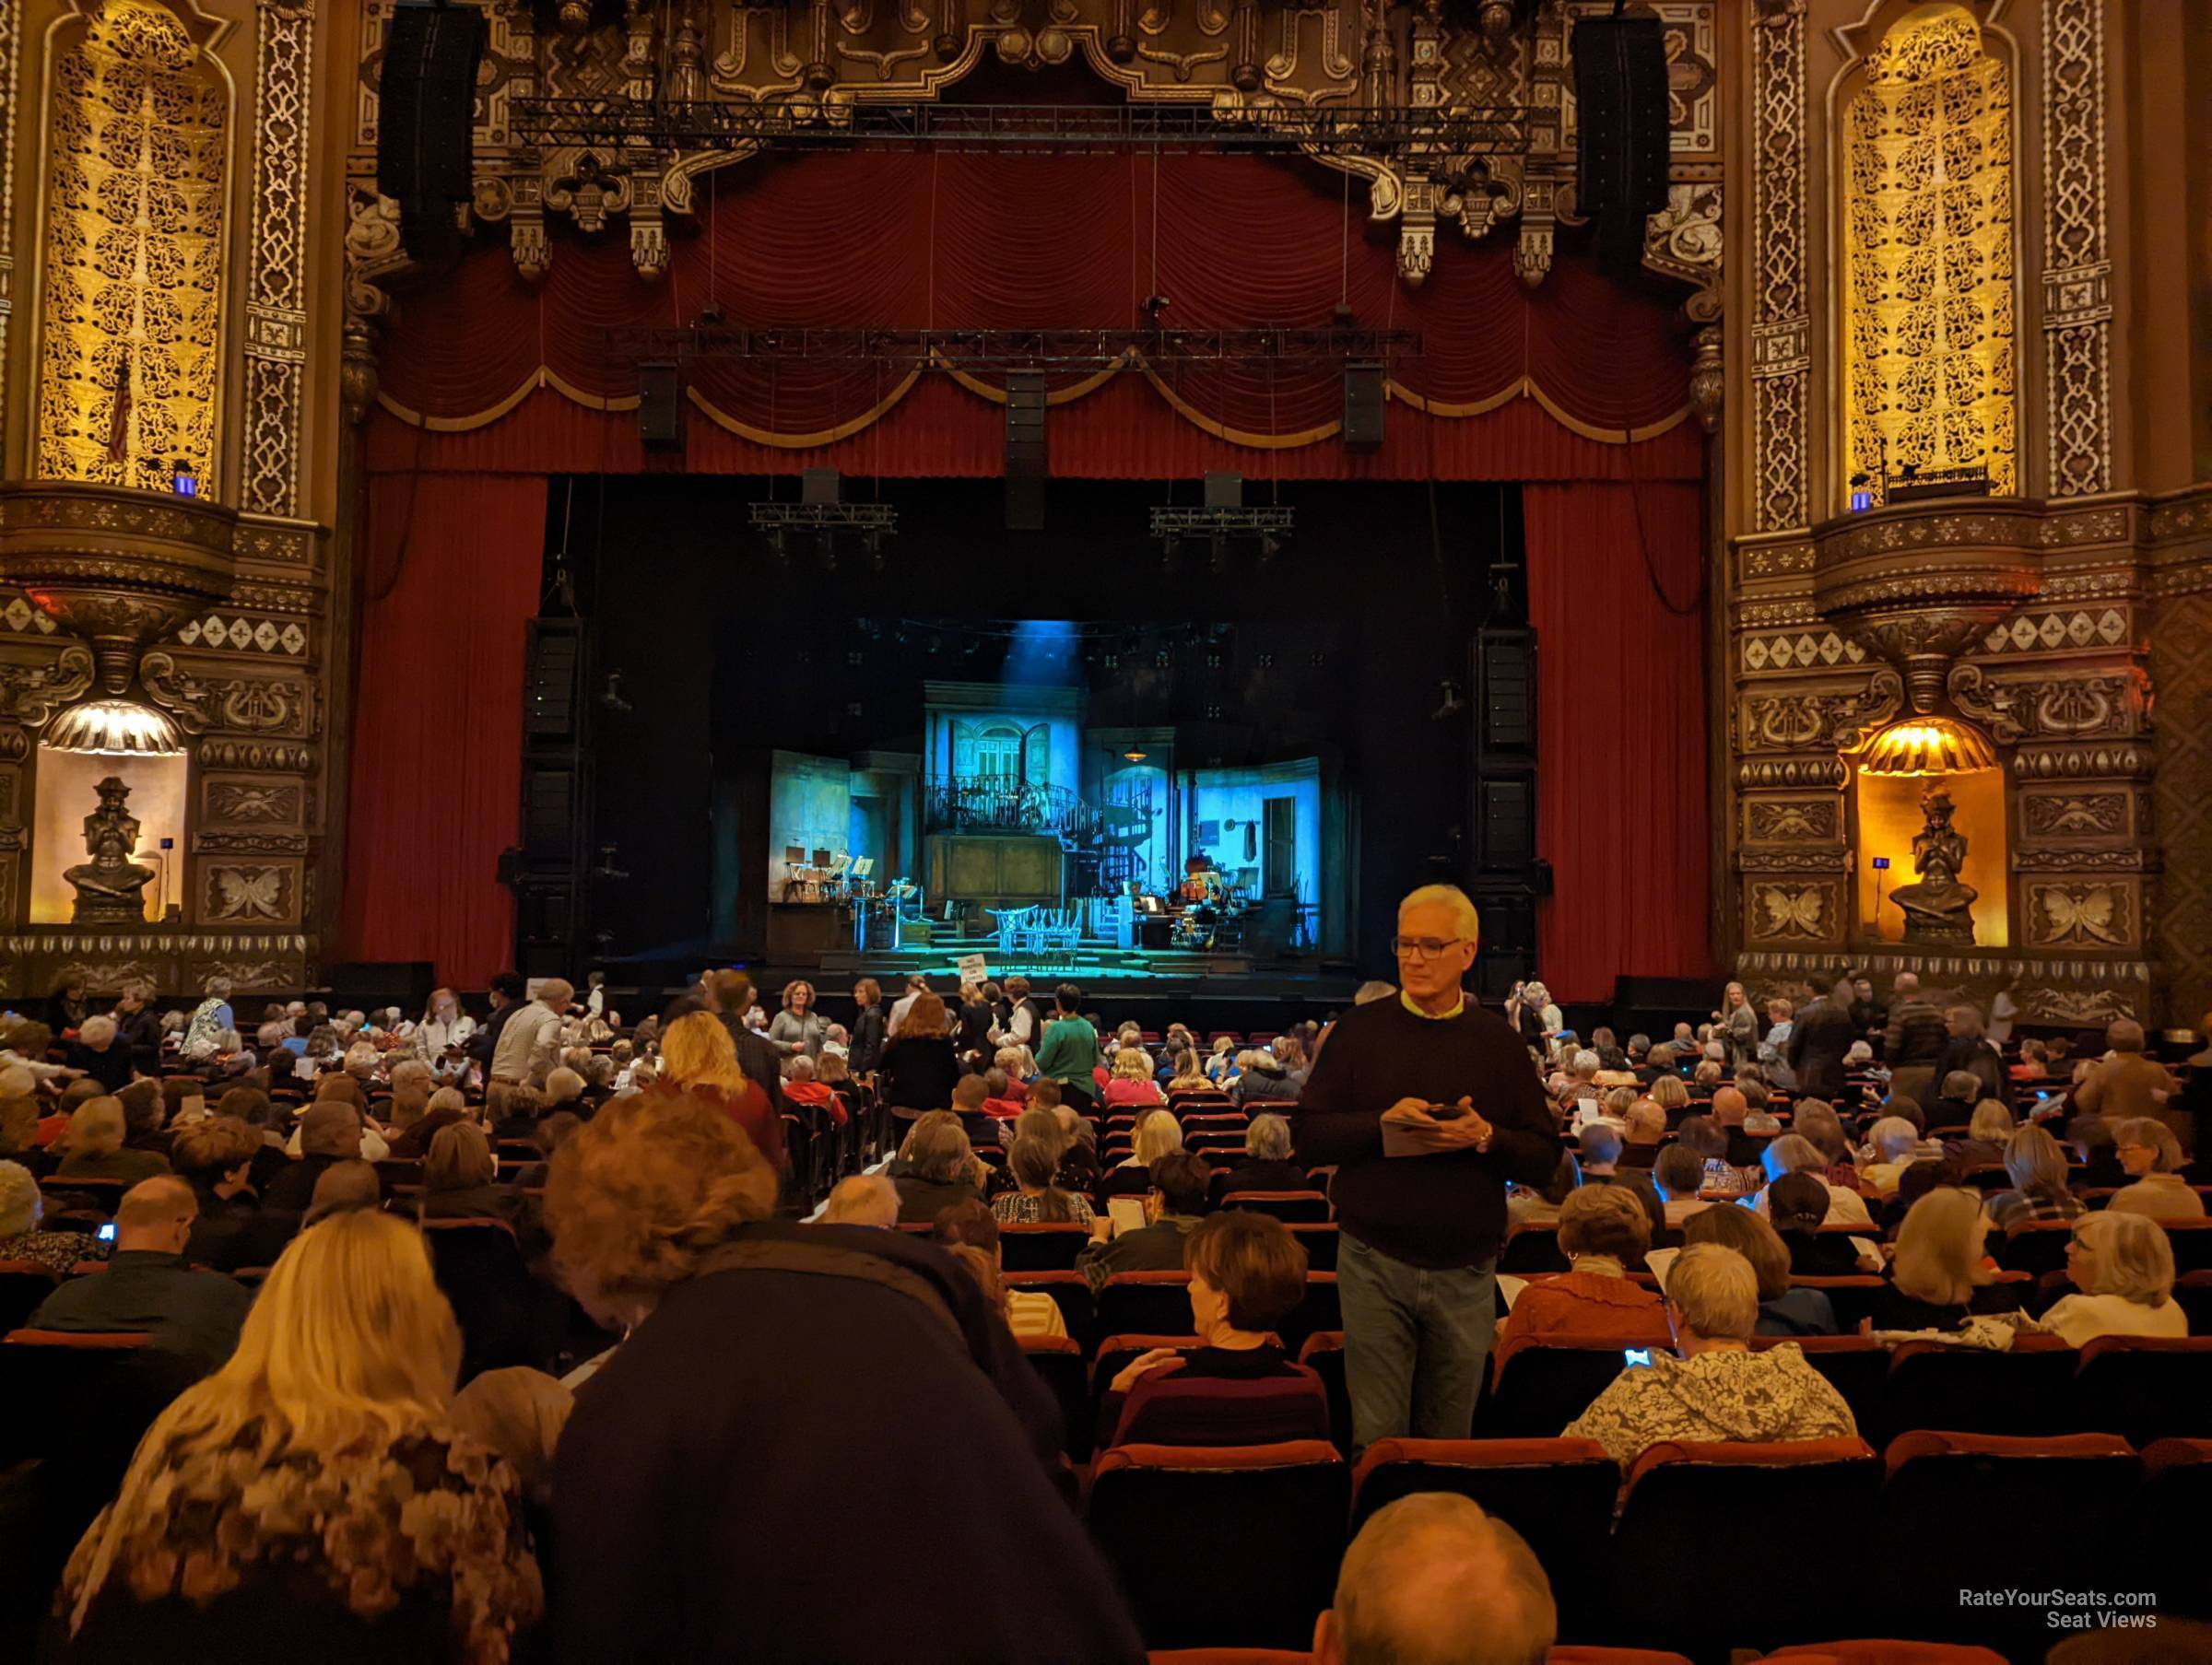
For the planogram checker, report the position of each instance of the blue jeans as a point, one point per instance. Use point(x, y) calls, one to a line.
point(1416, 1343)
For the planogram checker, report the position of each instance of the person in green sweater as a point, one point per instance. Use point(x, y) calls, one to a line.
point(1070, 1050)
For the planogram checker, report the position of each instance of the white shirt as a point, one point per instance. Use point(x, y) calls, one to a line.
point(432, 1038)
point(900, 1008)
point(2081, 1319)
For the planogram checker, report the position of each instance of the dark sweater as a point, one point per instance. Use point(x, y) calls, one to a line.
point(1263, 1362)
point(693, 1530)
point(1434, 1212)
point(196, 1314)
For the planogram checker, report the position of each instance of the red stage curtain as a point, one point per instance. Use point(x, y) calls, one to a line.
point(903, 242)
point(1621, 792)
point(450, 572)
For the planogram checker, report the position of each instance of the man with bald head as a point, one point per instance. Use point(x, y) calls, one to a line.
point(148, 1287)
point(1432, 1581)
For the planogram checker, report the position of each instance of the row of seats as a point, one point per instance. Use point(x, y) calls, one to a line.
point(1904, 1530)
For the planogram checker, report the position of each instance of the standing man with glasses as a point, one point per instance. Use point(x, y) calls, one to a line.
point(1427, 1105)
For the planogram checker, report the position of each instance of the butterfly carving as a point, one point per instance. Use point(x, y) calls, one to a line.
point(244, 894)
point(1793, 912)
point(2087, 913)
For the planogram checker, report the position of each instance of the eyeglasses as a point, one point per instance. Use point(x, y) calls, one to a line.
point(1422, 947)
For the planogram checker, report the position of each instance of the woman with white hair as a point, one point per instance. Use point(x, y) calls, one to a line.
point(1532, 1013)
point(1737, 1026)
point(1717, 1388)
point(1267, 1165)
point(209, 1019)
point(2152, 1156)
point(2123, 1266)
point(95, 1144)
point(21, 1208)
point(1890, 1146)
point(1795, 1153)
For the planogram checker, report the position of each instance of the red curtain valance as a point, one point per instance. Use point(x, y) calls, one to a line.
point(949, 242)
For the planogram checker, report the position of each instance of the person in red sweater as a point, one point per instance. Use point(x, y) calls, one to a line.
point(1000, 1101)
point(801, 1087)
point(1603, 1231)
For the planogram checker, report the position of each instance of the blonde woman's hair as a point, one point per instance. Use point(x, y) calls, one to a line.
point(2135, 1256)
point(1157, 1134)
point(1991, 1121)
point(1937, 1260)
point(97, 1127)
point(1716, 1290)
point(349, 1339)
point(459, 1157)
point(1130, 1064)
point(1668, 1092)
point(697, 1051)
point(2033, 1157)
point(936, 1148)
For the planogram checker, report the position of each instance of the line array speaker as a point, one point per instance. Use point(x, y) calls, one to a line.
point(425, 116)
point(1622, 109)
point(1028, 463)
point(661, 405)
point(1364, 407)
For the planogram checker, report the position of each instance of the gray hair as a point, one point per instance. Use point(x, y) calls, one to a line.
point(1961, 1084)
point(1369, 993)
point(1716, 1291)
point(410, 1071)
point(1463, 914)
point(862, 1200)
point(1815, 1119)
point(937, 1147)
point(1892, 1138)
point(1585, 1064)
point(2033, 1157)
point(2135, 1256)
point(219, 988)
point(1269, 1138)
point(1491, 1605)
point(97, 1032)
point(1795, 1153)
point(2150, 1130)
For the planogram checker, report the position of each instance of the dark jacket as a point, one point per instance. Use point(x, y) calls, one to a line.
point(1250, 1176)
point(1894, 1309)
point(1437, 1212)
point(193, 1314)
point(486, 1040)
point(701, 1474)
point(865, 1049)
point(111, 1066)
point(919, 1071)
point(1154, 1248)
point(919, 1200)
point(1821, 1034)
point(1979, 1058)
point(291, 1191)
point(762, 1065)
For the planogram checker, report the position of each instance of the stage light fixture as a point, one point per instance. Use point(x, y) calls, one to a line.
point(1134, 755)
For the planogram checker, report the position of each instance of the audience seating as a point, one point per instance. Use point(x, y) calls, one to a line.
point(1071, 1294)
point(2192, 1241)
point(2194, 1290)
point(1684, 1499)
point(479, 1266)
point(1887, 1652)
point(2177, 1487)
point(1558, 1493)
point(1144, 1303)
point(1544, 1388)
point(1166, 1514)
point(2023, 1392)
point(1324, 1354)
point(1322, 1309)
point(2035, 1246)
point(1531, 1248)
point(1115, 1353)
point(1857, 1367)
point(1851, 1297)
point(1988, 1512)
point(1058, 1362)
point(23, 1284)
point(1299, 1208)
point(1320, 1242)
point(1051, 1247)
point(2144, 1388)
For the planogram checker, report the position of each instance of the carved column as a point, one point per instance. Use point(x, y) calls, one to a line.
point(275, 332)
point(11, 54)
point(2078, 274)
point(1782, 306)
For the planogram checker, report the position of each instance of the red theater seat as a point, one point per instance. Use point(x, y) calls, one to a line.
point(2145, 1387)
point(1293, 1208)
point(1170, 1411)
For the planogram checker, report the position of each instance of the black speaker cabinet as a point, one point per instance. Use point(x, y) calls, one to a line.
point(661, 405)
point(1026, 462)
point(1364, 407)
point(426, 115)
point(1621, 110)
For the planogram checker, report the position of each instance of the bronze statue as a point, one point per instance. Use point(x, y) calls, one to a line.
point(1937, 907)
point(110, 888)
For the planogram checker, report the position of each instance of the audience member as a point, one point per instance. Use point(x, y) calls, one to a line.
point(1821, 1035)
point(935, 1167)
point(1988, 1129)
point(1267, 1165)
point(1782, 1310)
point(529, 1042)
point(310, 1494)
point(1796, 1207)
point(21, 1208)
point(2036, 1165)
point(343, 1188)
point(1793, 1154)
point(798, 1028)
point(215, 1157)
point(328, 1132)
point(1914, 1039)
point(1604, 1231)
point(2121, 1266)
point(96, 1150)
point(1722, 1179)
point(446, 1107)
point(1172, 1208)
point(1248, 1274)
point(149, 1287)
point(1719, 1389)
point(660, 1208)
point(1679, 1172)
point(1027, 1312)
point(1037, 1199)
point(699, 1060)
point(1940, 1277)
point(1970, 1051)
point(1069, 1052)
point(1432, 1581)
point(99, 1054)
point(1132, 1084)
point(2128, 1085)
point(919, 1065)
point(1158, 1133)
point(2152, 1159)
point(862, 1200)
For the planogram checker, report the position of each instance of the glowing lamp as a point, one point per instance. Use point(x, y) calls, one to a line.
point(1135, 755)
point(114, 727)
point(1927, 745)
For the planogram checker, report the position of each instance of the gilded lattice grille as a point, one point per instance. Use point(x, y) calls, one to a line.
point(1928, 254)
point(131, 312)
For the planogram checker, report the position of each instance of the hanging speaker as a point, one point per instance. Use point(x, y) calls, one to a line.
point(1028, 463)
point(661, 407)
point(1364, 407)
point(1623, 127)
point(424, 121)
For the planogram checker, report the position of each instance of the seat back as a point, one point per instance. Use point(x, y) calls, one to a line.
point(2177, 1485)
point(1857, 1367)
point(1051, 1247)
point(1558, 1493)
point(2081, 1482)
point(1681, 1497)
point(1293, 1208)
point(1324, 1354)
point(479, 1266)
point(1320, 1242)
point(95, 1395)
point(1160, 1512)
point(23, 1284)
point(1169, 1411)
point(1544, 1388)
point(1533, 1247)
point(1058, 1362)
point(2192, 1241)
point(1851, 1297)
point(2025, 1391)
point(1071, 1294)
point(2193, 1290)
point(2145, 1387)
point(2034, 1247)
point(1144, 1303)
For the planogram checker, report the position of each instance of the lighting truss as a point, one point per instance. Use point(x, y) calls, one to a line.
point(978, 350)
point(870, 522)
point(619, 126)
point(1218, 527)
